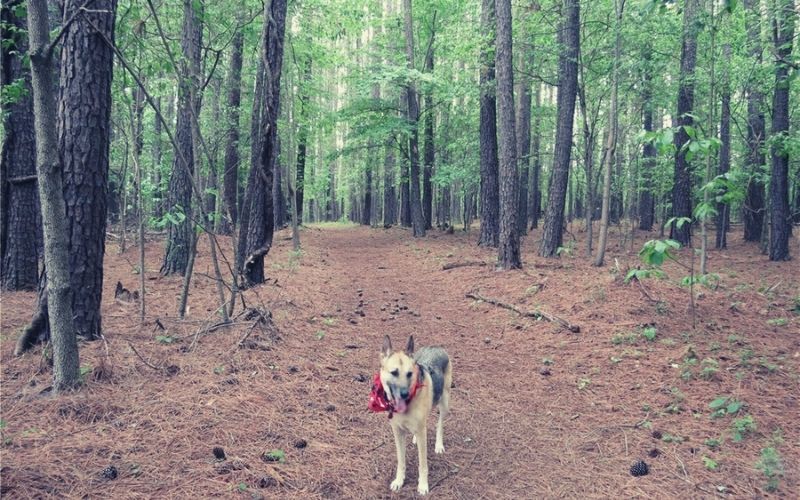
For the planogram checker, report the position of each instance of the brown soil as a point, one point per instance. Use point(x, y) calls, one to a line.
point(537, 411)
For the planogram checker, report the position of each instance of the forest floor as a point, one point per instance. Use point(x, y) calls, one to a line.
point(537, 411)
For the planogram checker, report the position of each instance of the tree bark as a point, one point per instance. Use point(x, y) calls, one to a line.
point(179, 199)
point(230, 175)
point(523, 128)
point(682, 187)
point(19, 202)
point(302, 140)
point(58, 298)
point(429, 154)
point(490, 187)
point(569, 35)
point(534, 191)
point(508, 254)
point(417, 218)
point(753, 210)
point(389, 189)
point(780, 215)
point(261, 223)
point(649, 153)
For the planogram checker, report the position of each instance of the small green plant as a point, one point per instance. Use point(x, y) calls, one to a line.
point(771, 465)
point(547, 361)
point(715, 346)
point(649, 333)
point(713, 443)
point(710, 463)
point(671, 438)
point(677, 398)
point(778, 322)
point(583, 383)
point(242, 487)
point(84, 371)
point(319, 335)
point(616, 360)
point(741, 427)
point(165, 339)
point(745, 355)
point(725, 405)
point(219, 370)
point(329, 321)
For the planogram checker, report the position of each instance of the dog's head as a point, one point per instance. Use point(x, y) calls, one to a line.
point(399, 373)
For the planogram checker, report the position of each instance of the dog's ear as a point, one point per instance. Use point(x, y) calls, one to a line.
point(386, 350)
point(410, 345)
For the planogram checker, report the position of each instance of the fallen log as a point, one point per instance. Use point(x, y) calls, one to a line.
point(528, 314)
point(454, 265)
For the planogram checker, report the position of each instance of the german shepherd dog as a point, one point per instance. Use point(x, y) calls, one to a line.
point(414, 383)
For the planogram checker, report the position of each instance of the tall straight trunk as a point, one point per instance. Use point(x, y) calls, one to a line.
point(534, 191)
point(523, 128)
point(508, 255)
point(753, 210)
point(84, 115)
point(179, 201)
point(19, 203)
point(723, 209)
point(682, 185)
point(417, 218)
point(230, 174)
point(211, 191)
point(302, 140)
point(367, 215)
point(490, 187)
point(56, 305)
point(389, 189)
point(569, 36)
point(649, 153)
point(278, 197)
point(588, 165)
point(429, 155)
point(256, 139)
point(261, 223)
point(712, 131)
point(780, 216)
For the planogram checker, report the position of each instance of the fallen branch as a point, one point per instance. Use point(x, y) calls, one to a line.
point(157, 368)
point(528, 314)
point(454, 265)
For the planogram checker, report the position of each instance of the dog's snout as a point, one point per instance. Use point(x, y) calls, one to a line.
point(404, 393)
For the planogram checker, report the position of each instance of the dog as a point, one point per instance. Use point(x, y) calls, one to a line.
point(413, 384)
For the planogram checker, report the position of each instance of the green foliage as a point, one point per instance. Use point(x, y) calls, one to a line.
point(742, 427)
point(165, 339)
point(710, 463)
point(724, 406)
point(770, 464)
point(276, 455)
point(649, 333)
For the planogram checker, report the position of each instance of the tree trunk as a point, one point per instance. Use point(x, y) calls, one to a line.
point(508, 255)
point(780, 216)
point(261, 224)
point(302, 140)
point(649, 153)
point(569, 36)
point(429, 155)
point(490, 187)
point(682, 187)
point(417, 218)
point(523, 128)
point(389, 190)
point(19, 203)
point(753, 210)
point(158, 194)
point(534, 191)
point(279, 200)
point(179, 200)
point(723, 209)
point(230, 175)
point(56, 303)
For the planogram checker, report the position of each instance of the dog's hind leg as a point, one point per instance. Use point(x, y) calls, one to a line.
point(422, 448)
point(400, 445)
point(444, 409)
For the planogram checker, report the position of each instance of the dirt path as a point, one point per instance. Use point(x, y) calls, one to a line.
point(537, 411)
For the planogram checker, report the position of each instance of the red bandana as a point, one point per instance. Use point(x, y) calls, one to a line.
point(378, 401)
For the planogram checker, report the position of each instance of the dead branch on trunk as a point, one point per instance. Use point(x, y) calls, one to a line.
point(528, 314)
point(454, 265)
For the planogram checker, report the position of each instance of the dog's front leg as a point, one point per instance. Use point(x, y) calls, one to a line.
point(400, 444)
point(422, 447)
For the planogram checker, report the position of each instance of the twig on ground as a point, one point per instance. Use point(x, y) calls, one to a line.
point(529, 314)
point(454, 265)
point(157, 368)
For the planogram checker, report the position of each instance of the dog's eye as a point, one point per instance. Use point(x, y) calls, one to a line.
point(408, 374)
point(395, 373)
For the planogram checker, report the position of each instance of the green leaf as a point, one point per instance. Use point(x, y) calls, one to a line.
point(719, 402)
point(276, 455)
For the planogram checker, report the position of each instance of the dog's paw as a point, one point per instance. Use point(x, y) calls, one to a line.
point(397, 484)
point(422, 489)
point(439, 448)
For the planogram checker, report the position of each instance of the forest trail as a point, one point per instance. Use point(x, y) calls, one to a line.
point(537, 411)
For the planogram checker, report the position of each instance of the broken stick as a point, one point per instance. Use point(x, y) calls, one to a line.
point(528, 314)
